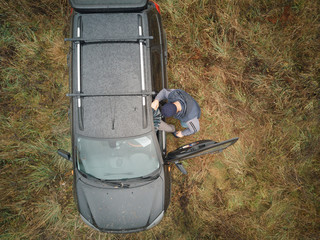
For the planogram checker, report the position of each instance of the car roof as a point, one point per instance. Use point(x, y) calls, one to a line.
point(113, 68)
point(110, 67)
point(114, 117)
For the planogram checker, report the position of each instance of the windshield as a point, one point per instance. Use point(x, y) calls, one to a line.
point(116, 159)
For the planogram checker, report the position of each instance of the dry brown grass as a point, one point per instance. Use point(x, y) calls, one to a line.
point(253, 66)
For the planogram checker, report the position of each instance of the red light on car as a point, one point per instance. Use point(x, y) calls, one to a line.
point(157, 6)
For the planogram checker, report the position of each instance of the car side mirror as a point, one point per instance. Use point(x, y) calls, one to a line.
point(65, 154)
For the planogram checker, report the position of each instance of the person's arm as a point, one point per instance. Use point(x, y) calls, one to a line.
point(193, 127)
point(163, 94)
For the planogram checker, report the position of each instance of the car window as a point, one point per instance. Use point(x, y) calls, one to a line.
point(116, 159)
point(154, 30)
point(156, 70)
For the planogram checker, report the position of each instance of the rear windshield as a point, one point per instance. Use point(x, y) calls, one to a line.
point(116, 159)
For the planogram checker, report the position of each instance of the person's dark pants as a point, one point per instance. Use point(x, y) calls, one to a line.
point(166, 127)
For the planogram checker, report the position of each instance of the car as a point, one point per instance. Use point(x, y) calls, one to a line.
point(117, 62)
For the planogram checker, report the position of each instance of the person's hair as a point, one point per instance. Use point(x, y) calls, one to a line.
point(169, 110)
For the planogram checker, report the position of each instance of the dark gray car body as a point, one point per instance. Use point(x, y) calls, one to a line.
point(110, 63)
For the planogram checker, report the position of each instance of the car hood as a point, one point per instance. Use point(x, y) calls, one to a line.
point(120, 209)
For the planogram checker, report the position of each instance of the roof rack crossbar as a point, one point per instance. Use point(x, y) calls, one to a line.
point(143, 94)
point(110, 40)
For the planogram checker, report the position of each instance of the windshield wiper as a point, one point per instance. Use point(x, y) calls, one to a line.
point(116, 184)
point(151, 176)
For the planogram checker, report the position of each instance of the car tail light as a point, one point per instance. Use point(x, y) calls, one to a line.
point(157, 6)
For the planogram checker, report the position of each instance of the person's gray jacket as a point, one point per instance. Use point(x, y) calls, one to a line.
point(190, 110)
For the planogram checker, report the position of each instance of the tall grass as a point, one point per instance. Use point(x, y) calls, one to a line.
point(255, 78)
point(253, 66)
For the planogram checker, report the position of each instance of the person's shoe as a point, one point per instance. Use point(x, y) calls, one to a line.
point(175, 135)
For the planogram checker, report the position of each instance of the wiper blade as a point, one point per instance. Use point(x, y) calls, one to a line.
point(116, 184)
point(150, 176)
point(153, 175)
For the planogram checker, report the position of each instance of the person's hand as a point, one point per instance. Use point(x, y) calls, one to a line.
point(155, 104)
point(179, 134)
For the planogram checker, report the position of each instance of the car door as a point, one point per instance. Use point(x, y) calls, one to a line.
point(196, 149)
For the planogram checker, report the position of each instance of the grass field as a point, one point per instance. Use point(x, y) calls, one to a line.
point(254, 68)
